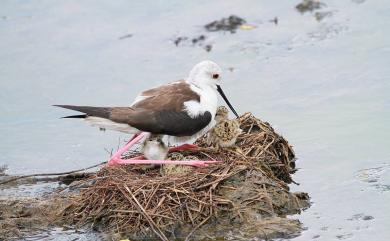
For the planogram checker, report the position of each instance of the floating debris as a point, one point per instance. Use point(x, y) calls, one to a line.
point(126, 36)
point(208, 47)
point(199, 39)
point(321, 15)
point(231, 24)
point(375, 177)
point(247, 27)
point(361, 216)
point(275, 20)
point(372, 175)
point(196, 41)
point(178, 40)
point(309, 6)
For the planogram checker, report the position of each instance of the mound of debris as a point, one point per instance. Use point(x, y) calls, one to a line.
point(247, 192)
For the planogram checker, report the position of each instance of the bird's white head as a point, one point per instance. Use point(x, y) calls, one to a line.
point(208, 74)
point(205, 73)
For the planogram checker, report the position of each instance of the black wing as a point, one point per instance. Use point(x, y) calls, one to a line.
point(167, 122)
point(171, 123)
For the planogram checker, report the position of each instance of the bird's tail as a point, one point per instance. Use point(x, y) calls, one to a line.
point(103, 112)
point(100, 117)
point(76, 116)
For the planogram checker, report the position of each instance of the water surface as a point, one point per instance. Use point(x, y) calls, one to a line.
point(323, 84)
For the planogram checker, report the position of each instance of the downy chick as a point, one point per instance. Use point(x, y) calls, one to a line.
point(221, 114)
point(154, 148)
point(225, 132)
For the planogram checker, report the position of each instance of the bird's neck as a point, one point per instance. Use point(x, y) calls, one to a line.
point(208, 100)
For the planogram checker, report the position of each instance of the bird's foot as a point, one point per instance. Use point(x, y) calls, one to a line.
point(114, 161)
point(183, 147)
point(116, 158)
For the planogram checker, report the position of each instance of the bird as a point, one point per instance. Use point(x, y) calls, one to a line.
point(181, 110)
point(154, 148)
point(221, 114)
point(225, 131)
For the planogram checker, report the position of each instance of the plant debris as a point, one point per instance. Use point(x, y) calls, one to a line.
point(23, 217)
point(231, 24)
point(321, 15)
point(249, 187)
point(124, 37)
point(275, 20)
point(195, 41)
point(309, 6)
point(247, 27)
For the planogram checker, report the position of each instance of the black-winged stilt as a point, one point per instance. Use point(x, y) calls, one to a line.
point(182, 110)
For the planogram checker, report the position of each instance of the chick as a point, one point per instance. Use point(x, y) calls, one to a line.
point(225, 131)
point(154, 148)
point(221, 114)
point(168, 169)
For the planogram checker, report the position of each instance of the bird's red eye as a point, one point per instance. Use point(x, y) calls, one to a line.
point(215, 76)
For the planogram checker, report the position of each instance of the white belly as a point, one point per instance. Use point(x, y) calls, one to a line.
point(110, 125)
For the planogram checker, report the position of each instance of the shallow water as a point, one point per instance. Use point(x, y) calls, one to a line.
point(323, 85)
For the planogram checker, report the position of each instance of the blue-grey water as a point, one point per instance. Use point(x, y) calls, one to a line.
point(324, 85)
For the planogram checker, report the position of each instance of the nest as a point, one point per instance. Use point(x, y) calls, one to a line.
point(249, 185)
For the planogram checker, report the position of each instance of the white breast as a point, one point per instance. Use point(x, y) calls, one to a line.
point(208, 101)
point(154, 150)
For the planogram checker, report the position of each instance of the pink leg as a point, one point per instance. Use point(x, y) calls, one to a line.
point(173, 149)
point(134, 136)
point(117, 156)
point(197, 163)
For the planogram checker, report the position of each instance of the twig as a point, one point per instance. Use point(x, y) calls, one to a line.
point(150, 220)
point(240, 169)
point(50, 174)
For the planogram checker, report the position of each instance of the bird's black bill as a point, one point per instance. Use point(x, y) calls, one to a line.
point(220, 91)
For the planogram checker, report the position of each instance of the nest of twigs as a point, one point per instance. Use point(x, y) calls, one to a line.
point(249, 186)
